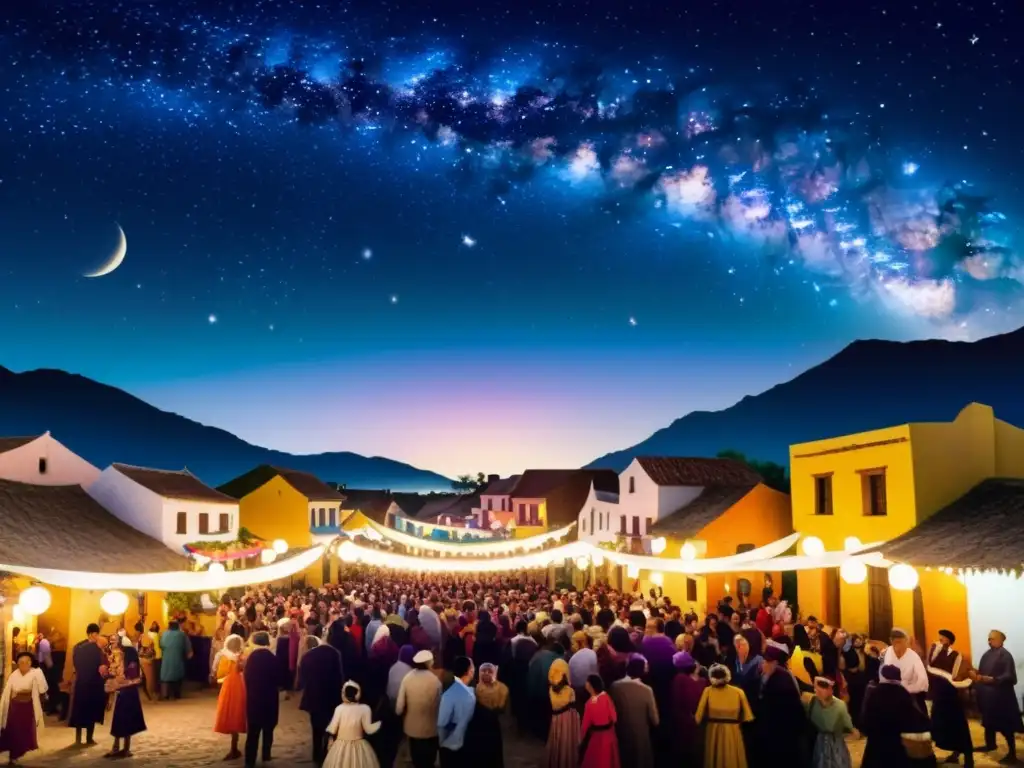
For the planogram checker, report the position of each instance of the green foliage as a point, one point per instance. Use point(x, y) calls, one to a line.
point(178, 602)
point(774, 475)
point(469, 483)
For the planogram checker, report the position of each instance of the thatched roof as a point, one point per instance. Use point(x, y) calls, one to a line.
point(309, 485)
point(174, 484)
point(984, 528)
point(62, 527)
point(678, 471)
point(714, 501)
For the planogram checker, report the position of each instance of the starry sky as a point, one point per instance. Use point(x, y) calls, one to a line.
point(489, 236)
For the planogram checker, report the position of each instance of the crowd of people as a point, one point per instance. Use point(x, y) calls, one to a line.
point(605, 678)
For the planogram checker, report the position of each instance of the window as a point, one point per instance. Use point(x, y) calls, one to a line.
point(823, 494)
point(534, 514)
point(225, 522)
point(42, 466)
point(691, 590)
point(490, 503)
point(503, 503)
point(182, 527)
point(312, 518)
point(650, 524)
point(204, 523)
point(741, 548)
point(583, 525)
point(636, 526)
point(323, 517)
point(592, 513)
point(333, 516)
point(622, 525)
point(873, 492)
point(632, 485)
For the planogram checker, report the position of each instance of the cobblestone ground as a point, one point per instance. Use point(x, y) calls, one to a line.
point(180, 735)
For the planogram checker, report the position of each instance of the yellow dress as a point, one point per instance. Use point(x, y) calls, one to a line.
point(722, 709)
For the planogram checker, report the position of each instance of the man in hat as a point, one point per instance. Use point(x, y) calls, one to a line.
point(780, 721)
point(948, 721)
point(418, 704)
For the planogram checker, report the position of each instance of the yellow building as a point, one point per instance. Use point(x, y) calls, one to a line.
point(294, 506)
point(877, 485)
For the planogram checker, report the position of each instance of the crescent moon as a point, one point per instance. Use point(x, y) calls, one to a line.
point(115, 259)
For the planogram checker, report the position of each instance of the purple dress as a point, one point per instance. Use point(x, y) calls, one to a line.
point(128, 719)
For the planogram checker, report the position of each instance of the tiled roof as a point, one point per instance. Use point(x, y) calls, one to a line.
point(373, 504)
point(502, 487)
point(10, 443)
point(537, 483)
point(309, 485)
point(62, 527)
point(713, 501)
point(174, 484)
point(679, 471)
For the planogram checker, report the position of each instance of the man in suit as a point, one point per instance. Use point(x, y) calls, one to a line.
point(320, 678)
point(419, 700)
point(262, 703)
point(638, 714)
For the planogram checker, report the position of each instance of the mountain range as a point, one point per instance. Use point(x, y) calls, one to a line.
point(867, 385)
point(104, 424)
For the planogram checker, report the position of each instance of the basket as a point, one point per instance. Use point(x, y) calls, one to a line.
point(918, 746)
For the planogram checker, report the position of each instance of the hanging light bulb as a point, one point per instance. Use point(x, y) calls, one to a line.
point(267, 556)
point(280, 546)
point(853, 571)
point(658, 545)
point(583, 563)
point(35, 600)
point(903, 577)
point(657, 578)
point(114, 603)
point(813, 546)
point(633, 571)
point(598, 559)
point(688, 551)
point(852, 543)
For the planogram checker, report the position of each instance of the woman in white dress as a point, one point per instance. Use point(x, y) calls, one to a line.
point(21, 709)
point(351, 723)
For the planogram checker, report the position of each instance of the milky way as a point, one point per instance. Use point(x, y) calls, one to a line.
point(801, 180)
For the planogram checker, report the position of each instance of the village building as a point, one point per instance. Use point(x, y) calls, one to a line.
point(42, 460)
point(290, 506)
point(172, 506)
point(495, 510)
point(905, 488)
point(549, 499)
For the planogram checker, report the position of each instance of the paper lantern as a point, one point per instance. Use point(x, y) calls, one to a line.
point(114, 602)
point(853, 571)
point(813, 546)
point(633, 571)
point(658, 545)
point(35, 600)
point(688, 551)
point(217, 568)
point(598, 559)
point(903, 577)
point(657, 578)
point(852, 543)
point(267, 556)
point(280, 546)
point(583, 563)
point(348, 552)
point(18, 615)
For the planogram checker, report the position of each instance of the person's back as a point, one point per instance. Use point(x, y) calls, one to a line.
point(419, 699)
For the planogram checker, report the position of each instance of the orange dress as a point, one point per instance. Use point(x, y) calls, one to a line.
point(231, 700)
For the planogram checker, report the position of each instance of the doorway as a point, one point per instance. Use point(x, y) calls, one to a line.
point(833, 606)
point(879, 604)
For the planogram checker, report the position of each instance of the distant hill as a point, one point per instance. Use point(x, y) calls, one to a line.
point(868, 385)
point(104, 424)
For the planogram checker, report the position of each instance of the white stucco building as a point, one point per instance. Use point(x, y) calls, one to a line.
point(42, 460)
point(174, 507)
point(495, 510)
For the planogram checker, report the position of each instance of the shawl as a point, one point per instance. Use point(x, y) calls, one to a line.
point(38, 683)
point(493, 696)
point(558, 679)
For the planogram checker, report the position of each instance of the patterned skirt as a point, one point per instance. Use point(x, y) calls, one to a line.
point(830, 751)
point(19, 737)
point(564, 739)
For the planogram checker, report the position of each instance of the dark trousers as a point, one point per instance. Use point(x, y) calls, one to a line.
point(171, 690)
point(1011, 742)
point(423, 752)
point(88, 733)
point(318, 722)
point(252, 739)
point(451, 758)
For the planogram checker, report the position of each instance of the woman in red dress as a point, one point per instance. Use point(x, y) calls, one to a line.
point(599, 746)
point(230, 719)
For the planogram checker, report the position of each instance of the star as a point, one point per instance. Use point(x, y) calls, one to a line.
point(632, 322)
point(938, 25)
point(468, 241)
point(394, 298)
point(910, 168)
point(212, 319)
point(271, 326)
point(975, 39)
point(367, 254)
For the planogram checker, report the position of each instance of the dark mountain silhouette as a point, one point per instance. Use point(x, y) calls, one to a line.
point(104, 424)
point(867, 385)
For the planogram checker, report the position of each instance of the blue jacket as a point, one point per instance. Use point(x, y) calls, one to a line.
point(457, 707)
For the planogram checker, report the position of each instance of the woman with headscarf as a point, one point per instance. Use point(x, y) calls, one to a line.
point(746, 671)
point(831, 722)
point(853, 665)
point(723, 708)
point(127, 719)
point(21, 708)
point(687, 688)
point(484, 745)
point(599, 745)
point(230, 716)
point(351, 724)
point(564, 733)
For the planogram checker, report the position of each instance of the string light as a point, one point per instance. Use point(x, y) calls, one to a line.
point(114, 603)
point(903, 577)
point(658, 545)
point(853, 571)
point(35, 600)
point(267, 556)
point(813, 546)
point(499, 547)
point(657, 578)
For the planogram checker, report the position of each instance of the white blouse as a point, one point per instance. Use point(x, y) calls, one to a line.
point(351, 722)
point(19, 683)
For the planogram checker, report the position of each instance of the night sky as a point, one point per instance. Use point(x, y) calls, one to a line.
point(509, 234)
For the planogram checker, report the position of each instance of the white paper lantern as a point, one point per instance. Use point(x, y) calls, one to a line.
point(853, 571)
point(903, 577)
point(217, 568)
point(347, 552)
point(114, 603)
point(813, 546)
point(658, 545)
point(35, 601)
point(633, 571)
point(852, 543)
point(280, 546)
point(688, 551)
point(598, 559)
point(18, 615)
point(657, 578)
point(582, 563)
point(267, 556)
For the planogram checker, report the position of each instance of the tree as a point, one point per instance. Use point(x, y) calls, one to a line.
point(774, 475)
point(469, 483)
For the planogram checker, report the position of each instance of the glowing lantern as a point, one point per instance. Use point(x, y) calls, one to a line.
point(813, 546)
point(114, 603)
point(657, 578)
point(18, 615)
point(688, 551)
point(216, 568)
point(347, 552)
point(35, 600)
point(267, 556)
point(658, 545)
point(851, 544)
point(280, 546)
point(598, 560)
point(903, 577)
point(633, 571)
point(582, 563)
point(853, 571)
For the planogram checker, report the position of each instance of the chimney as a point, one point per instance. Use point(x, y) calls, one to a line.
point(493, 478)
